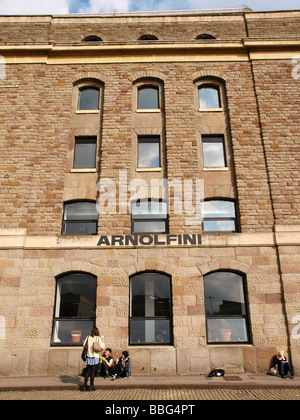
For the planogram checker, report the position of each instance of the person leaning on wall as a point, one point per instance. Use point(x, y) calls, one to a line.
point(284, 366)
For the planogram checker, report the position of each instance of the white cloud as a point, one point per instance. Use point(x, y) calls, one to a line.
point(33, 7)
point(101, 6)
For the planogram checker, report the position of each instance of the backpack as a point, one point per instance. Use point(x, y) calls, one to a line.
point(216, 373)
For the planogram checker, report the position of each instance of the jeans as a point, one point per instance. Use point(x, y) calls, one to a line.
point(284, 368)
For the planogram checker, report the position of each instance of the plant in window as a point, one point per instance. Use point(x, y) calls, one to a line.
point(75, 308)
point(225, 308)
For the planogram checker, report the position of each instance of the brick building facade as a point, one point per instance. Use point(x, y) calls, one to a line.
point(94, 106)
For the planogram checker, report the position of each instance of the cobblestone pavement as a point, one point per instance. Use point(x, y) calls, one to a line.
point(155, 394)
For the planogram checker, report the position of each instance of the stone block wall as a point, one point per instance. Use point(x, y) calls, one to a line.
point(35, 148)
point(28, 296)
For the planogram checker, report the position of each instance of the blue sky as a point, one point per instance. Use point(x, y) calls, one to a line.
point(16, 7)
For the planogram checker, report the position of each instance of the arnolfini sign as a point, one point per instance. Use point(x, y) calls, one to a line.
point(151, 240)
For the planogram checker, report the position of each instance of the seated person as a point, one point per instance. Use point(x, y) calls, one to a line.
point(283, 365)
point(122, 367)
point(107, 362)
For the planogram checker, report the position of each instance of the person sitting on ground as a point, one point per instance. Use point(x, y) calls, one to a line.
point(107, 362)
point(283, 365)
point(122, 366)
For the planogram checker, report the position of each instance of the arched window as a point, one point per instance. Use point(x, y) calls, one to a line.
point(150, 309)
point(88, 99)
point(219, 215)
point(225, 308)
point(80, 218)
point(205, 36)
point(148, 97)
point(75, 308)
point(92, 38)
point(209, 97)
point(148, 37)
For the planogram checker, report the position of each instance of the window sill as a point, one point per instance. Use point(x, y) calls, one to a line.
point(210, 109)
point(84, 171)
point(149, 169)
point(158, 111)
point(86, 111)
point(216, 169)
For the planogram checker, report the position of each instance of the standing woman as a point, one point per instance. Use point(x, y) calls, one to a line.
point(95, 345)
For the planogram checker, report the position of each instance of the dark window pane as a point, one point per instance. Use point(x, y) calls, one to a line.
point(77, 295)
point(148, 98)
point(213, 152)
point(80, 228)
point(85, 152)
point(75, 308)
point(224, 294)
point(88, 99)
point(209, 97)
point(225, 307)
point(150, 309)
point(149, 152)
point(150, 295)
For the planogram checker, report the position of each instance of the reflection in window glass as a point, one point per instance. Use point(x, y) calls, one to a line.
point(151, 209)
point(213, 151)
point(85, 152)
point(149, 152)
point(80, 218)
point(148, 98)
point(75, 308)
point(219, 216)
point(225, 308)
point(209, 97)
point(88, 99)
point(149, 216)
point(150, 309)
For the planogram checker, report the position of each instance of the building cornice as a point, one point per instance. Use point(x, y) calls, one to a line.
point(155, 51)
